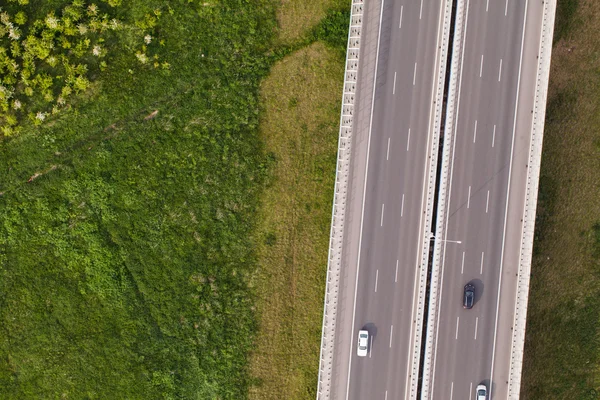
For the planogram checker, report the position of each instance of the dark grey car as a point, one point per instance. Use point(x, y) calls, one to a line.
point(469, 296)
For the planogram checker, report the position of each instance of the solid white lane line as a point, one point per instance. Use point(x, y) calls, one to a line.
point(421, 10)
point(481, 267)
point(382, 210)
point(494, 136)
point(371, 347)
point(500, 71)
point(470, 390)
point(451, 390)
point(415, 75)
point(469, 197)
point(376, 279)
point(402, 207)
point(387, 157)
point(481, 67)
point(396, 276)
point(487, 5)
point(487, 202)
point(512, 150)
point(457, 322)
point(362, 216)
point(506, 8)
point(462, 265)
point(408, 140)
point(391, 334)
point(476, 322)
point(400, 24)
point(475, 132)
point(394, 88)
point(437, 329)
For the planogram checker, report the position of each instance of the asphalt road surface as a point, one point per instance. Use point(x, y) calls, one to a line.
point(393, 199)
point(485, 202)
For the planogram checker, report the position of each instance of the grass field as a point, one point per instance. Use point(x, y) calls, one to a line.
point(299, 125)
point(562, 348)
point(170, 222)
point(126, 219)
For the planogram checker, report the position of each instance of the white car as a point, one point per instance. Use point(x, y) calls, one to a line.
point(481, 392)
point(363, 343)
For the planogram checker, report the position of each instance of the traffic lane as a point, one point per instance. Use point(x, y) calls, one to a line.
point(375, 209)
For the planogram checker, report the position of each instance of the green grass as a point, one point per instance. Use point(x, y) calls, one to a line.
point(562, 346)
point(124, 261)
point(299, 126)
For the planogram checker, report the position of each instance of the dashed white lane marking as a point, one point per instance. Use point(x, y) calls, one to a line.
point(386, 395)
point(396, 276)
point(487, 202)
point(500, 71)
point(481, 267)
point(494, 136)
point(421, 10)
point(391, 334)
point(371, 347)
point(481, 67)
point(476, 322)
point(400, 24)
point(470, 390)
point(475, 132)
point(451, 390)
point(506, 8)
point(415, 75)
point(408, 140)
point(387, 157)
point(487, 5)
point(376, 279)
point(402, 206)
point(394, 88)
point(462, 265)
point(457, 322)
point(469, 198)
point(382, 210)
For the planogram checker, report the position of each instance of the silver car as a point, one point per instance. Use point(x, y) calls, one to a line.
point(363, 343)
point(481, 392)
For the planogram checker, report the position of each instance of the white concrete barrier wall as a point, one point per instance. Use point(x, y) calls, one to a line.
point(339, 202)
point(533, 174)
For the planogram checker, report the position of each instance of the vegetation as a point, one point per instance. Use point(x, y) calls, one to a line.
point(125, 219)
point(562, 348)
point(43, 60)
point(299, 126)
point(300, 129)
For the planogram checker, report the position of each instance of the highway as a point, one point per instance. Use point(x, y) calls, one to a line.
point(383, 285)
point(485, 204)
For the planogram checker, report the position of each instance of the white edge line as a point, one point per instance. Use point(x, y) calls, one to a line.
point(362, 217)
point(512, 149)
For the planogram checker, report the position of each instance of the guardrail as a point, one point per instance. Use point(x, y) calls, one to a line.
point(434, 289)
point(339, 202)
point(438, 100)
point(533, 173)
